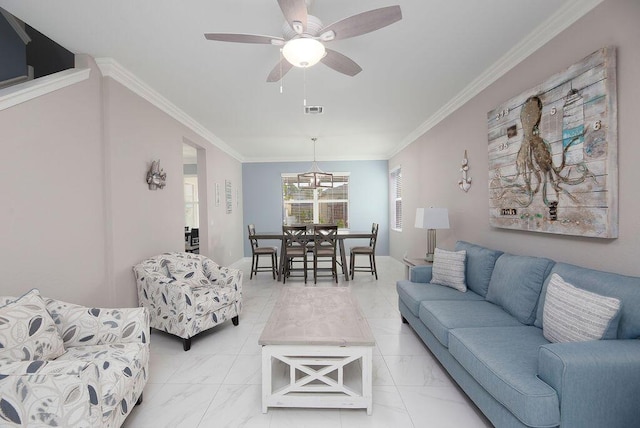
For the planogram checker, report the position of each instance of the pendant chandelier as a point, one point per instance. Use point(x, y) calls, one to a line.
point(315, 178)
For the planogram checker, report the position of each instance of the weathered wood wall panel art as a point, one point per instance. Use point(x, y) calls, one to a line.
point(553, 164)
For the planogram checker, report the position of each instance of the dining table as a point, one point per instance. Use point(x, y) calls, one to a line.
point(341, 236)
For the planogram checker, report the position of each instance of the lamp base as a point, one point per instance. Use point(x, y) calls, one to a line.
point(431, 244)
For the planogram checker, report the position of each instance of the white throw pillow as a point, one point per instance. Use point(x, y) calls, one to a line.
point(449, 269)
point(27, 331)
point(572, 314)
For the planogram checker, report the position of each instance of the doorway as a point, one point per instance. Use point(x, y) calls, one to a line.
point(191, 199)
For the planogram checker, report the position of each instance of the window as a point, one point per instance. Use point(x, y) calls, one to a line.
point(323, 205)
point(395, 182)
point(191, 201)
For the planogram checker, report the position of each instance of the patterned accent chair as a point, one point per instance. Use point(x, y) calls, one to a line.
point(68, 365)
point(188, 293)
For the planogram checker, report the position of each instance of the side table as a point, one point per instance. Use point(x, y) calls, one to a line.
point(410, 262)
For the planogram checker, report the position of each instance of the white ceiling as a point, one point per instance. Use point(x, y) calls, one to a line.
point(414, 71)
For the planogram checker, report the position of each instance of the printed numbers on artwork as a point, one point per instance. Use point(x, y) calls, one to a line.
point(502, 114)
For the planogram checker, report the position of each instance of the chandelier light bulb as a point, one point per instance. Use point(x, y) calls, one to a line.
point(303, 52)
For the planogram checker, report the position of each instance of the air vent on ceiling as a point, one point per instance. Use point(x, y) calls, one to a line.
point(313, 109)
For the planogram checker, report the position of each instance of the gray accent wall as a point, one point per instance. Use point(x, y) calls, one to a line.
point(13, 52)
point(368, 197)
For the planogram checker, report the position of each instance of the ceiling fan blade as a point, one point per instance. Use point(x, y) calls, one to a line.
point(279, 71)
point(364, 22)
point(244, 38)
point(341, 63)
point(295, 12)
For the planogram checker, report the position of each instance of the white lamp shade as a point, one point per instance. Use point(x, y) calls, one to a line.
point(303, 52)
point(432, 218)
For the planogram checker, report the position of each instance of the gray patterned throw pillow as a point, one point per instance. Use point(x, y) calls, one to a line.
point(188, 271)
point(27, 331)
point(449, 269)
point(571, 314)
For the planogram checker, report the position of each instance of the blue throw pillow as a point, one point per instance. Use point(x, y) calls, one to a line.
point(479, 266)
point(516, 283)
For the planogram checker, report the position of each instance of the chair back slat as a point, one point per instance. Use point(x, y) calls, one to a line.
point(325, 236)
point(294, 236)
point(252, 232)
point(374, 235)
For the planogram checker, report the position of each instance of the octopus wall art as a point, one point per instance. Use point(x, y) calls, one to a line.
point(553, 153)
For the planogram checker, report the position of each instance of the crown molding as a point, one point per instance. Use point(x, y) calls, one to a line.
point(31, 89)
point(558, 22)
point(111, 68)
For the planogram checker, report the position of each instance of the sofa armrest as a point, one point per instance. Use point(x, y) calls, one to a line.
point(80, 325)
point(172, 302)
point(50, 393)
point(231, 278)
point(222, 275)
point(420, 273)
point(597, 382)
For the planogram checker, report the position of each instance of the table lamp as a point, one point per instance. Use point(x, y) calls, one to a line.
point(431, 219)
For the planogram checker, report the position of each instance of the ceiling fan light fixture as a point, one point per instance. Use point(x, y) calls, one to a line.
point(303, 52)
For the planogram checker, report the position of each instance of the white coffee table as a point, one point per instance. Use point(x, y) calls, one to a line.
point(317, 351)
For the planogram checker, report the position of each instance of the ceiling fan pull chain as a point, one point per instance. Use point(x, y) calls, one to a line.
point(304, 87)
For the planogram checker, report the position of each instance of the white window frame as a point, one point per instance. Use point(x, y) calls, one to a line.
point(316, 200)
point(395, 192)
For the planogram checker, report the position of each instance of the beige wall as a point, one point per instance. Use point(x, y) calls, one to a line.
point(76, 211)
point(430, 165)
point(51, 205)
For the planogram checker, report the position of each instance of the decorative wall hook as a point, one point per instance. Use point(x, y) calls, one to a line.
point(465, 182)
point(156, 177)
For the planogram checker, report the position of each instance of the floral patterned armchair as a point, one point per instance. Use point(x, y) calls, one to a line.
point(188, 293)
point(68, 365)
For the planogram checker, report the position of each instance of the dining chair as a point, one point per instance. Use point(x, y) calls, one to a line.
point(257, 251)
point(325, 238)
point(294, 239)
point(369, 251)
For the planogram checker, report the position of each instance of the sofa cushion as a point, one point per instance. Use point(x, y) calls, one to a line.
point(504, 361)
point(479, 265)
point(121, 372)
point(516, 283)
point(625, 288)
point(448, 269)
point(442, 316)
point(413, 293)
point(574, 315)
point(27, 331)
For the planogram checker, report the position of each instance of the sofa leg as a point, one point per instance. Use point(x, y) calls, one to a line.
point(404, 320)
point(235, 320)
point(139, 400)
point(186, 344)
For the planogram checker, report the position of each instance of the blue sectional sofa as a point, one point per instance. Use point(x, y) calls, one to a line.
point(490, 339)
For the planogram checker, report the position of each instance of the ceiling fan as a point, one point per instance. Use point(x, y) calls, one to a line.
point(304, 36)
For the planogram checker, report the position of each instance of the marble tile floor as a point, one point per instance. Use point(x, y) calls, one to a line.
point(217, 383)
